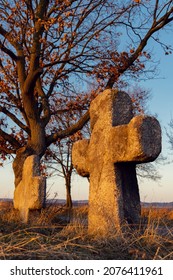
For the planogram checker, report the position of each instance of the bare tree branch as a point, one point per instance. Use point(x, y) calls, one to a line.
point(14, 119)
point(69, 131)
point(10, 139)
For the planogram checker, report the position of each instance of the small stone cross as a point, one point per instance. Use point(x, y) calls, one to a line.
point(30, 192)
point(118, 142)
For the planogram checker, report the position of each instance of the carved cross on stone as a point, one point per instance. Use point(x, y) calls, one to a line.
point(30, 192)
point(118, 142)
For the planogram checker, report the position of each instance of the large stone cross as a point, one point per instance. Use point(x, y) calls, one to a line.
point(30, 192)
point(118, 142)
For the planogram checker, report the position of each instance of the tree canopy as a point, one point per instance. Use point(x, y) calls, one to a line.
point(50, 49)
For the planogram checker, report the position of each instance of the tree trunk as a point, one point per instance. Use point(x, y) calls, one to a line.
point(68, 191)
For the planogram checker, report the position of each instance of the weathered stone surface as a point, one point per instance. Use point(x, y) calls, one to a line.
point(118, 142)
point(80, 160)
point(30, 192)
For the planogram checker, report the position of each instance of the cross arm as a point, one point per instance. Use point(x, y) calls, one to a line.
point(144, 138)
point(79, 157)
point(139, 141)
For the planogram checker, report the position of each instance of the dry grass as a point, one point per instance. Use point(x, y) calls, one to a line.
point(58, 234)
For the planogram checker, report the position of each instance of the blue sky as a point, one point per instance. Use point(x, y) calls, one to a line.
point(161, 104)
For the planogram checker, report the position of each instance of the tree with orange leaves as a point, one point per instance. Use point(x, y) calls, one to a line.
point(50, 47)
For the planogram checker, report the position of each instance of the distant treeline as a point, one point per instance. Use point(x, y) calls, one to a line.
point(157, 204)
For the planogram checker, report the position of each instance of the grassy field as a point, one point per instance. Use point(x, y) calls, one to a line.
point(58, 234)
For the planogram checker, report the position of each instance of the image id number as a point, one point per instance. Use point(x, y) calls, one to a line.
point(133, 271)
